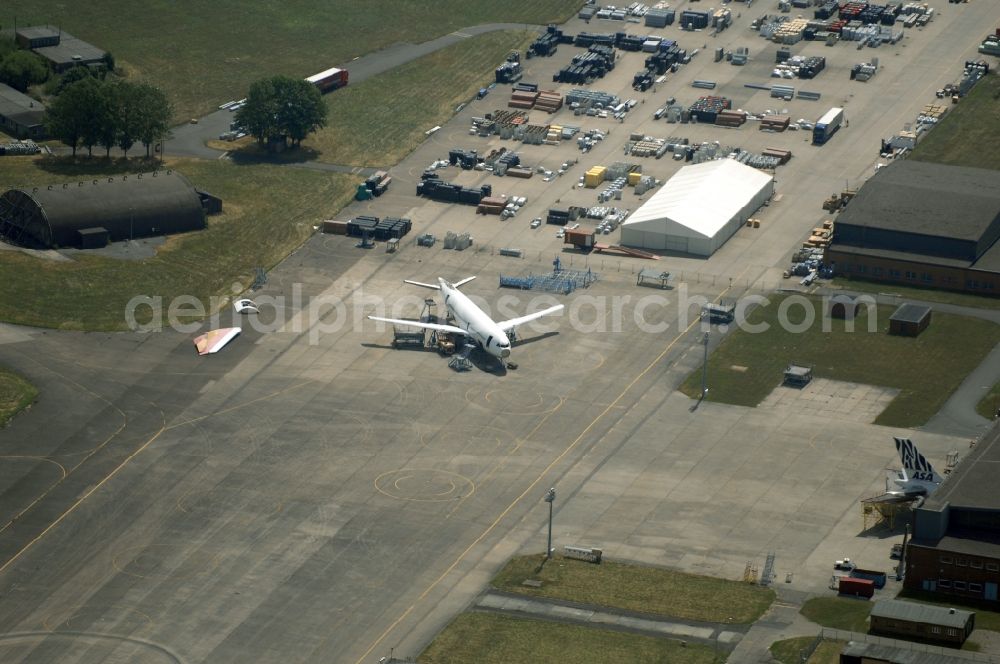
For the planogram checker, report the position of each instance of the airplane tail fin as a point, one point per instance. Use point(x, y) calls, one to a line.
point(914, 463)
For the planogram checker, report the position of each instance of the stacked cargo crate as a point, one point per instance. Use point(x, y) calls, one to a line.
point(774, 123)
point(548, 101)
point(730, 118)
point(659, 18)
point(522, 99)
point(594, 177)
point(491, 205)
point(790, 32)
point(705, 109)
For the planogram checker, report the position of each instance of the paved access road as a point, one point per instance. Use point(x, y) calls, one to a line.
point(188, 140)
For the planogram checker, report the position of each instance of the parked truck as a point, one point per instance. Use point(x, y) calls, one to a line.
point(827, 125)
point(876, 577)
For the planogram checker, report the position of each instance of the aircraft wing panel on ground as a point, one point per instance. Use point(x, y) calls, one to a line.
point(427, 326)
point(463, 281)
point(508, 325)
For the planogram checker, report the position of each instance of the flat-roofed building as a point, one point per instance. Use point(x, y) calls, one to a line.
point(922, 224)
point(20, 115)
point(62, 50)
point(955, 550)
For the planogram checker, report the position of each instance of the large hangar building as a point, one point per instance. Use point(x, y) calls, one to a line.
point(922, 224)
point(699, 208)
point(90, 213)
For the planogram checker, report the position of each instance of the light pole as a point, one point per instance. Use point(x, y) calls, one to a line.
point(550, 497)
point(704, 369)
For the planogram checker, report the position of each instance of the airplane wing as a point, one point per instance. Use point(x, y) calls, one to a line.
point(463, 281)
point(420, 283)
point(428, 326)
point(508, 325)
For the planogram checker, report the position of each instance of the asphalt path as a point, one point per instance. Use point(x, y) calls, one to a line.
point(189, 140)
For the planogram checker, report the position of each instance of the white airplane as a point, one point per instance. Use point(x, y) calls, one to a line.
point(471, 321)
point(916, 478)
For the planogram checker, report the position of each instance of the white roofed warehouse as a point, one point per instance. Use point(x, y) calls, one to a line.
point(699, 208)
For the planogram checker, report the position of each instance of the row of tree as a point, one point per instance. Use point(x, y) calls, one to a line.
point(282, 109)
point(108, 113)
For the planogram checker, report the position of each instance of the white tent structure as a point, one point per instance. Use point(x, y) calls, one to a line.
point(699, 208)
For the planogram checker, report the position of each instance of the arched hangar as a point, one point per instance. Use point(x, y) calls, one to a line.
point(90, 213)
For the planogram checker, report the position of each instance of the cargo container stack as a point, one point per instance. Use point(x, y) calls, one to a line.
point(467, 159)
point(790, 32)
point(659, 18)
point(546, 43)
point(730, 118)
point(826, 10)
point(587, 39)
point(491, 205)
point(595, 176)
point(548, 101)
point(707, 108)
point(434, 188)
point(811, 66)
point(627, 42)
point(774, 123)
point(652, 44)
point(694, 20)
point(522, 99)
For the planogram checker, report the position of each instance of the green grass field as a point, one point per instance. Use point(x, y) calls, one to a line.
point(788, 651)
point(16, 394)
point(969, 135)
point(926, 369)
point(988, 405)
point(637, 588)
point(205, 53)
point(838, 612)
point(258, 228)
point(487, 638)
point(380, 121)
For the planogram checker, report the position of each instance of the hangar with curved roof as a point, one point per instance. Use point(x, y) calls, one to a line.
point(699, 208)
point(92, 212)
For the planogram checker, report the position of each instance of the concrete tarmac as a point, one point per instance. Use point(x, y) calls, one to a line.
point(312, 495)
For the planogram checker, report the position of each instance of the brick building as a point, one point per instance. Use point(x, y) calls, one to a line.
point(924, 225)
point(955, 550)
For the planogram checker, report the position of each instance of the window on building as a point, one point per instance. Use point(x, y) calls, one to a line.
point(894, 273)
point(911, 275)
point(944, 583)
point(877, 271)
point(860, 269)
point(935, 629)
point(961, 562)
point(926, 276)
point(946, 560)
point(959, 585)
point(993, 567)
point(952, 631)
point(976, 564)
point(975, 587)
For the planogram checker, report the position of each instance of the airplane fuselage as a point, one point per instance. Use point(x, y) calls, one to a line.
point(475, 321)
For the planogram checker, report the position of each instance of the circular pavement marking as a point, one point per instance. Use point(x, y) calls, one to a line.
point(163, 561)
point(424, 485)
